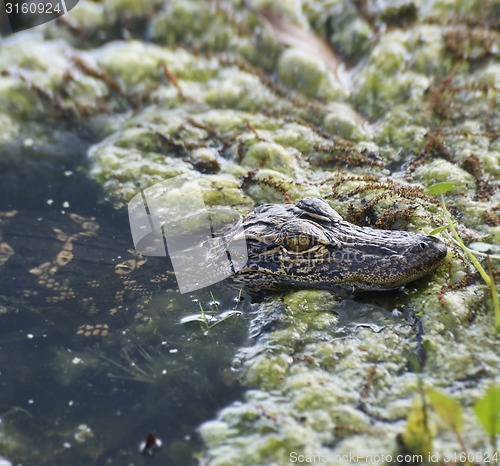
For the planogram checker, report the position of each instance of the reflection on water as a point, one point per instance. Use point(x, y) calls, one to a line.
point(66, 397)
point(74, 397)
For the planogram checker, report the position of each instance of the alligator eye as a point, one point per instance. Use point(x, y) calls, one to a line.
point(298, 243)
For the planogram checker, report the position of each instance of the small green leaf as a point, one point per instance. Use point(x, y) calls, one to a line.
point(487, 409)
point(439, 230)
point(441, 188)
point(447, 408)
point(418, 434)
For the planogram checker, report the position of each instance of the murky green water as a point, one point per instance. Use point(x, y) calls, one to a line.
point(67, 398)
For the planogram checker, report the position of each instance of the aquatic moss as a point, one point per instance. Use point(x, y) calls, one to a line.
point(343, 121)
point(402, 130)
point(215, 433)
point(192, 23)
point(122, 8)
point(137, 63)
point(308, 75)
point(265, 154)
point(10, 131)
point(440, 170)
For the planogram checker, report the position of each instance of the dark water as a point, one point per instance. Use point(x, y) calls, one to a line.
point(166, 383)
point(70, 399)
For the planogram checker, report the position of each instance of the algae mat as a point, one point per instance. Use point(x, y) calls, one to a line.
point(366, 104)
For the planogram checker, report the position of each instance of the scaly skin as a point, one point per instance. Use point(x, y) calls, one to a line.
point(310, 245)
point(306, 245)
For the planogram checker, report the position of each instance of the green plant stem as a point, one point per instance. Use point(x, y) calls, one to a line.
point(214, 302)
point(476, 253)
point(487, 278)
point(494, 295)
point(476, 263)
point(461, 442)
point(204, 317)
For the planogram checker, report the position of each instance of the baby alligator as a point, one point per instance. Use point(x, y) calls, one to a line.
point(310, 245)
point(73, 258)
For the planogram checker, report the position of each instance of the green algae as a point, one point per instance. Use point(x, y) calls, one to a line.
point(399, 128)
point(10, 131)
point(313, 386)
point(193, 23)
point(438, 171)
point(264, 154)
point(309, 76)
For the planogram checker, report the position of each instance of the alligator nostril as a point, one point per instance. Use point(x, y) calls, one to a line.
point(434, 245)
point(427, 245)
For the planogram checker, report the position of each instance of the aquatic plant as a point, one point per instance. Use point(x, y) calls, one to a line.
point(487, 410)
point(420, 429)
point(449, 410)
point(139, 369)
point(440, 189)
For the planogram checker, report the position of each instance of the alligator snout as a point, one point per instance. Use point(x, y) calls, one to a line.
point(310, 245)
point(431, 246)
